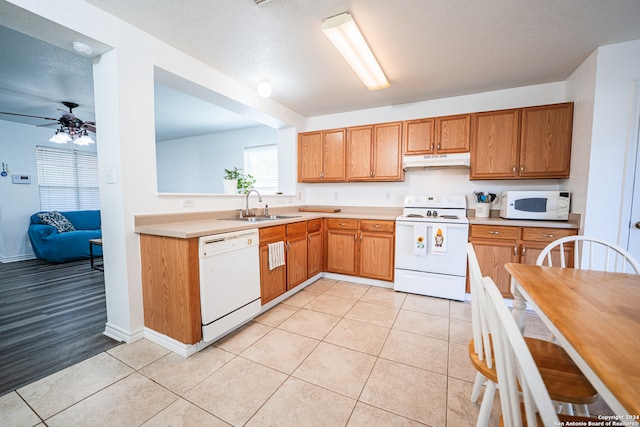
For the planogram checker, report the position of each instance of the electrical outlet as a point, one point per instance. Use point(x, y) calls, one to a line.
point(387, 196)
point(335, 195)
point(188, 203)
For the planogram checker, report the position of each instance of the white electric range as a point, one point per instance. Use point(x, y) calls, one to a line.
point(431, 238)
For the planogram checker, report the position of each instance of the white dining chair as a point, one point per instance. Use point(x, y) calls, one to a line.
point(589, 253)
point(563, 378)
point(524, 397)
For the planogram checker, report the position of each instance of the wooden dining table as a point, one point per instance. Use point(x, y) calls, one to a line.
point(595, 317)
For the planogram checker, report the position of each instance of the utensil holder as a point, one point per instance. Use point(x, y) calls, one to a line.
point(483, 210)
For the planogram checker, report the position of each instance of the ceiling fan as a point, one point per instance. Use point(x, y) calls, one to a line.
point(72, 129)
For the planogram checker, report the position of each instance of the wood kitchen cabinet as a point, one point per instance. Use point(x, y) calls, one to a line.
point(523, 143)
point(497, 245)
point(377, 249)
point(341, 249)
point(439, 135)
point(273, 283)
point(322, 156)
point(363, 248)
point(374, 153)
point(171, 287)
point(296, 253)
point(315, 253)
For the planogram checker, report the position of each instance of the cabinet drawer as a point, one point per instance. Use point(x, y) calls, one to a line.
point(547, 235)
point(297, 228)
point(344, 224)
point(373, 225)
point(314, 225)
point(495, 232)
point(272, 234)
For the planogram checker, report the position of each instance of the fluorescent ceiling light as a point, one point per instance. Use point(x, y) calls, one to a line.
point(347, 38)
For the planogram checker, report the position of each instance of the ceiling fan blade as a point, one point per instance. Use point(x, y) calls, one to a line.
point(47, 125)
point(27, 115)
point(90, 126)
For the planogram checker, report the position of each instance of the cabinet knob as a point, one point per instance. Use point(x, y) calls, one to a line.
point(342, 224)
point(438, 147)
point(431, 148)
point(494, 232)
point(515, 250)
point(309, 237)
point(521, 169)
point(549, 236)
point(524, 250)
point(637, 225)
point(513, 170)
point(377, 226)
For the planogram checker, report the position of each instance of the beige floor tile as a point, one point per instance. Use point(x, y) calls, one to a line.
point(347, 290)
point(417, 350)
point(237, 390)
point(298, 403)
point(428, 305)
point(384, 296)
point(411, 392)
point(423, 324)
point(14, 412)
point(460, 366)
point(366, 416)
point(336, 368)
point(373, 313)
point(331, 305)
point(64, 388)
point(276, 315)
point(320, 285)
point(460, 331)
point(300, 299)
point(281, 350)
point(182, 413)
point(131, 401)
point(240, 340)
point(181, 374)
point(138, 354)
point(360, 336)
point(460, 310)
point(461, 411)
point(310, 323)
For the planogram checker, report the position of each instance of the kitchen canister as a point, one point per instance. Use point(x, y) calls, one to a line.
point(483, 210)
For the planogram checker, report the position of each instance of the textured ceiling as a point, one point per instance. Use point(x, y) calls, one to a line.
point(429, 49)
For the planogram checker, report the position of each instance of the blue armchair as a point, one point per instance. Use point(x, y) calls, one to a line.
point(50, 245)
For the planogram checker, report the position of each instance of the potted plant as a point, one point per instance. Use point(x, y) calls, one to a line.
point(231, 180)
point(245, 183)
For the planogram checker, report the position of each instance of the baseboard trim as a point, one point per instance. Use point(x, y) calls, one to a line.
point(184, 350)
point(16, 258)
point(121, 335)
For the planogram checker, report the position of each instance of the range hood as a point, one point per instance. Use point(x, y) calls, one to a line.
point(436, 161)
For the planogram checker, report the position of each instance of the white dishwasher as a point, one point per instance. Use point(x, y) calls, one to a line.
point(229, 281)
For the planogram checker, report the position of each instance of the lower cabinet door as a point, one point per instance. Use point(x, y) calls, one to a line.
point(341, 252)
point(273, 283)
point(296, 261)
point(376, 256)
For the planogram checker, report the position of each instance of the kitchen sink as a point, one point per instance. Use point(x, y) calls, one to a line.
point(261, 218)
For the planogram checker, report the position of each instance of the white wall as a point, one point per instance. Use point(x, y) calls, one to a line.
point(196, 164)
point(419, 181)
point(19, 201)
point(617, 67)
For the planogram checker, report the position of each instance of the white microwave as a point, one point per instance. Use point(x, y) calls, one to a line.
point(541, 205)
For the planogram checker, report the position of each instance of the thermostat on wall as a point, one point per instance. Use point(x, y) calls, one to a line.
point(21, 179)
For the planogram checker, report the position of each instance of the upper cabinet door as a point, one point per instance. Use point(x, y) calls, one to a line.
point(359, 153)
point(494, 151)
point(453, 134)
point(310, 156)
point(419, 136)
point(545, 141)
point(387, 152)
point(334, 155)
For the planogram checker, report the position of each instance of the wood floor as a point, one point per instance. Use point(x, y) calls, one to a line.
point(51, 316)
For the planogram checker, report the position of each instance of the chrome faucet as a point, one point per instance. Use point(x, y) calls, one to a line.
point(247, 201)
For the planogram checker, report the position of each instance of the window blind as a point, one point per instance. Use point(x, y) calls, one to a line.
point(262, 163)
point(67, 179)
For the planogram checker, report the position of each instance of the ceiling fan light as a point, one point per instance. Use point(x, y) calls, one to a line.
point(347, 38)
point(60, 138)
point(84, 140)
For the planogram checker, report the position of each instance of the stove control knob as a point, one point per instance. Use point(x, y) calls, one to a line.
point(435, 213)
point(428, 213)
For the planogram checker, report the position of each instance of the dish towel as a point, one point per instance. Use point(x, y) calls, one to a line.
point(420, 239)
point(439, 240)
point(276, 255)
